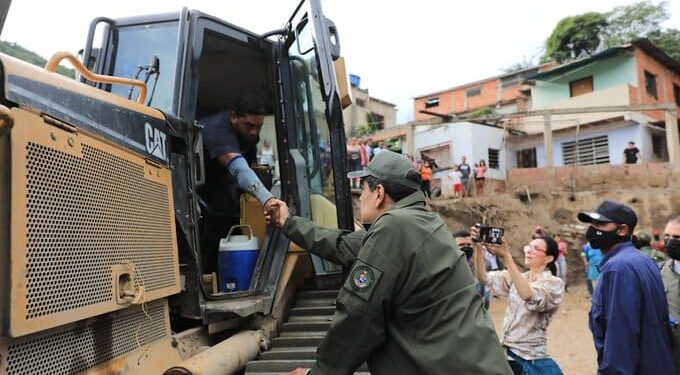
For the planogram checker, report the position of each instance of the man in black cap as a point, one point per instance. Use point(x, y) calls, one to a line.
point(629, 313)
point(409, 305)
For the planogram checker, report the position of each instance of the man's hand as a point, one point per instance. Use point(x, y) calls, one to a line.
point(298, 371)
point(276, 212)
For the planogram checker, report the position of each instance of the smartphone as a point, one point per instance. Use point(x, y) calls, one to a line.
point(491, 235)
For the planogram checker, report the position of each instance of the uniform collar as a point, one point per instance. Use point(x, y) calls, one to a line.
point(414, 198)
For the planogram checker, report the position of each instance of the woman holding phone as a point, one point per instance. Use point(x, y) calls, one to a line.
point(533, 299)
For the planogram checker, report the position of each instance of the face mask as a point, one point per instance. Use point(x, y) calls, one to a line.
point(673, 248)
point(467, 250)
point(603, 240)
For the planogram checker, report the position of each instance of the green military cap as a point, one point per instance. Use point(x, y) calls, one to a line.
point(388, 166)
point(643, 235)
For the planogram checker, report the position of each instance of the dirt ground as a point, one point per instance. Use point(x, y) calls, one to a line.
point(569, 340)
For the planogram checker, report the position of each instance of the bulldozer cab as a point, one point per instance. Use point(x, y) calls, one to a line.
point(195, 65)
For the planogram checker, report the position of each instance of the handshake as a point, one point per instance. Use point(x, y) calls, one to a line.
point(276, 212)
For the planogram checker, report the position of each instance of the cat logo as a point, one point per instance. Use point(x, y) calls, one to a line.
point(155, 142)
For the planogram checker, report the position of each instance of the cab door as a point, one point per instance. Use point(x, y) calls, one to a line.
point(316, 136)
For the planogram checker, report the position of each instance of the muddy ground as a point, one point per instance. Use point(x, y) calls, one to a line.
point(569, 340)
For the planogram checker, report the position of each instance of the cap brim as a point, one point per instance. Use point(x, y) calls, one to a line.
point(358, 174)
point(589, 217)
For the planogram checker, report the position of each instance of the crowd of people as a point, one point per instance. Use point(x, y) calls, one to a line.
point(397, 297)
point(412, 303)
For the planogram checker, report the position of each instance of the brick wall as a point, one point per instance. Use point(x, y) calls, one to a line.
point(602, 177)
point(457, 101)
point(665, 78)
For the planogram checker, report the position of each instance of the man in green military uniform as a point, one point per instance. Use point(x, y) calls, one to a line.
point(643, 243)
point(409, 304)
point(670, 272)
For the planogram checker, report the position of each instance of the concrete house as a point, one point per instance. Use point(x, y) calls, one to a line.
point(505, 93)
point(629, 75)
point(364, 107)
point(448, 143)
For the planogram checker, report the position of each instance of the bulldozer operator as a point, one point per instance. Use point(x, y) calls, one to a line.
point(230, 138)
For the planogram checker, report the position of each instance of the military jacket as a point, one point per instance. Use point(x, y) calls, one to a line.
point(671, 283)
point(409, 304)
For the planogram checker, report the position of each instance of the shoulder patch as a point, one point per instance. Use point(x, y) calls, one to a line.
point(362, 280)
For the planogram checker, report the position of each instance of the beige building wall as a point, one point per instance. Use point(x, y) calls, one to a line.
point(356, 115)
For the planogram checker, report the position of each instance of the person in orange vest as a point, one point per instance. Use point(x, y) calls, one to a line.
point(426, 177)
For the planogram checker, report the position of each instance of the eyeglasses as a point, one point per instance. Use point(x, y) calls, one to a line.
point(533, 249)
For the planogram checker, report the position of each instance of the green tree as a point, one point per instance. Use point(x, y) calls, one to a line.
point(525, 63)
point(21, 53)
point(667, 40)
point(574, 36)
point(630, 22)
point(591, 32)
point(370, 127)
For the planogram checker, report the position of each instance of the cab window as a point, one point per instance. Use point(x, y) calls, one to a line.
point(310, 109)
point(148, 53)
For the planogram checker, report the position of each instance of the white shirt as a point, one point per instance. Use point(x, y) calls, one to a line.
point(525, 322)
point(267, 156)
point(455, 176)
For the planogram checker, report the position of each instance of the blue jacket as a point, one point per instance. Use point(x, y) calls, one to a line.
point(629, 315)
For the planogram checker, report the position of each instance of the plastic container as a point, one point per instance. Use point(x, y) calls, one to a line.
point(354, 80)
point(236, 261)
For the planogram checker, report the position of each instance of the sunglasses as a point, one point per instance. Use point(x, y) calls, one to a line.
point(533, 249)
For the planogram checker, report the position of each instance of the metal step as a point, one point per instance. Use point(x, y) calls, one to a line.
point(302, 352)
point(317, 294)
point(303, 334)
point(288, 342)
point(310, 318)
point(308, 322)
point(314, 310)
point(284, 366)
point(310, 302)
point(306, 326)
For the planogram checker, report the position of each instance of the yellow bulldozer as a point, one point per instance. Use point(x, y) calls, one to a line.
point(101, 265)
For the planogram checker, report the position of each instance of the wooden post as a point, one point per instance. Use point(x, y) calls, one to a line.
point(672, 138)
point(548, 140)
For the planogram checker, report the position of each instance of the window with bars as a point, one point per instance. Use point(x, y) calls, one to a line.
point(659, 147)
point(494, 156)
point(588, 151)
point(650, 84)
point(433, 102)
point(526, 158)
point(473, 92)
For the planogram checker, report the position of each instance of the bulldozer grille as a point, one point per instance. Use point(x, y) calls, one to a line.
point(84, 215)
point(75, 348)
point(82, 208)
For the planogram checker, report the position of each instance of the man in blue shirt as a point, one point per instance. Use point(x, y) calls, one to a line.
point(629, 313)
point(229, 140)
point(592, 258)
